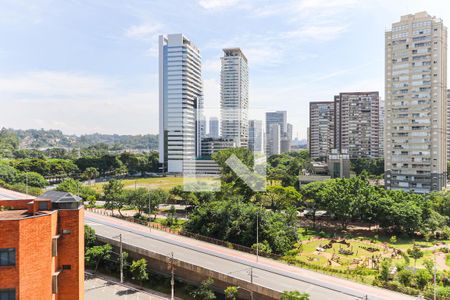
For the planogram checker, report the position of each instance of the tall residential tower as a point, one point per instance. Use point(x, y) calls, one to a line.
point(416, 104)
point(321, 129)
point(357, 126)
point(180, 102)
point(234, 97)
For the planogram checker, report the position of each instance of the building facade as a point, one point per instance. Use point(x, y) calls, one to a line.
point(234, 96)
point(211, 145)
point(381, 134)
point(448, 125)
point(273, 137)
point(357, 124)
point(416, 104)
point(41, 246)
point(180, 102)
point(255, 136)
point(213, 128)
point(321, 129)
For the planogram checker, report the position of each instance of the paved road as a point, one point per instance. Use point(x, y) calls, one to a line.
point(267, 272)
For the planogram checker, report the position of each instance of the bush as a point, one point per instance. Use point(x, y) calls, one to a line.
point(405, 277)
point(294, 295)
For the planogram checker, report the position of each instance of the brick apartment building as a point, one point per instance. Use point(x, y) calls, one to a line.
point(41, 246)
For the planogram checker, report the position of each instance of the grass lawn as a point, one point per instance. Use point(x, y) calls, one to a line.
point(165, 183)
point(310, 256)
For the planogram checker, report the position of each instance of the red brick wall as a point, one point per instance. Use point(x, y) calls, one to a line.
point(17, 204)
point(35, 257)
point(9, 231)
point(71, 252)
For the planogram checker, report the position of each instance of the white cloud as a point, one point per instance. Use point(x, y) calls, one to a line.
point(148, 33)
point(317, 32)
point(217, 4)
point(76, 103)
point(144, 31)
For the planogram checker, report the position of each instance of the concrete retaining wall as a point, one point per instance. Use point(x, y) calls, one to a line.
point(195, 274)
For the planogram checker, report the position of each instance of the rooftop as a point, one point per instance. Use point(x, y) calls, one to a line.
point(59, 197)
point(16, 214)
point(12, 195)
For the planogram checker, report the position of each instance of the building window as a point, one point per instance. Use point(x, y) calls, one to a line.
point(43, 205)
point(55, 283)
point(55, 245)
point(7, 257)
point(66, 267)
point(7, 294)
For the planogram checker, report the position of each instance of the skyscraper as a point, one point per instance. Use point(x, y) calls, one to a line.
point(448, 125)
point(357, 124)
point(213, 127)
point(381, 134)
point(321, 129)
point(416, 104)
point(180, 102)
point(255, 136)
point(273, 139)
point(234, 96)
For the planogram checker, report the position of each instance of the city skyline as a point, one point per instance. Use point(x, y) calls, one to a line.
point(58, 77)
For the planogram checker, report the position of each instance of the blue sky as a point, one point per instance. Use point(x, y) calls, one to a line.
point(91, 66)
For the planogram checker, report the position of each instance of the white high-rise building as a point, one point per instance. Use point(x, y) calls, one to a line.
point(180, 102)
point(357, 124)
point(381, 134)
point(416, 104)
point(321, 129)
point(255, 136)
point(234, 97)
point(273, 139)
point(448, 125)
point(275, 136)
point(213, 127)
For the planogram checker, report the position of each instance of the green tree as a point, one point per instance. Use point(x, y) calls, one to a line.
point(385, 267)
point(294, 295)
point(32, 179)
point(313, 199)
point(113, 195)
point(204, 291)
point(157, 197)
point(90, 173)
point(232, 183)
point(138, 269)
point(280, 198)
point(415, 253)
point(97, 254)
point(89, 236)
point(139, 198)
point(231, 292)
point(422, 278)
point(405, 277)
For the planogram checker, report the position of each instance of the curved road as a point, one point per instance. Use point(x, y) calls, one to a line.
point(266, 272)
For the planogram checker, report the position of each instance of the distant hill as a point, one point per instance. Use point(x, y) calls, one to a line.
point(42, 139)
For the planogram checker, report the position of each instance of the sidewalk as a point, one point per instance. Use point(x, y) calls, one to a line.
point(106, 287)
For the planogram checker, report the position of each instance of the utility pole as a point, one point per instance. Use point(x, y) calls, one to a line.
point(257, 236)
point(26, 185)
point(434, 278)
point(121, 258)
point(172, 280)
point(251, 281)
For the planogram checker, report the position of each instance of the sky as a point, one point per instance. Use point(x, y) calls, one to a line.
point(86, 66)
